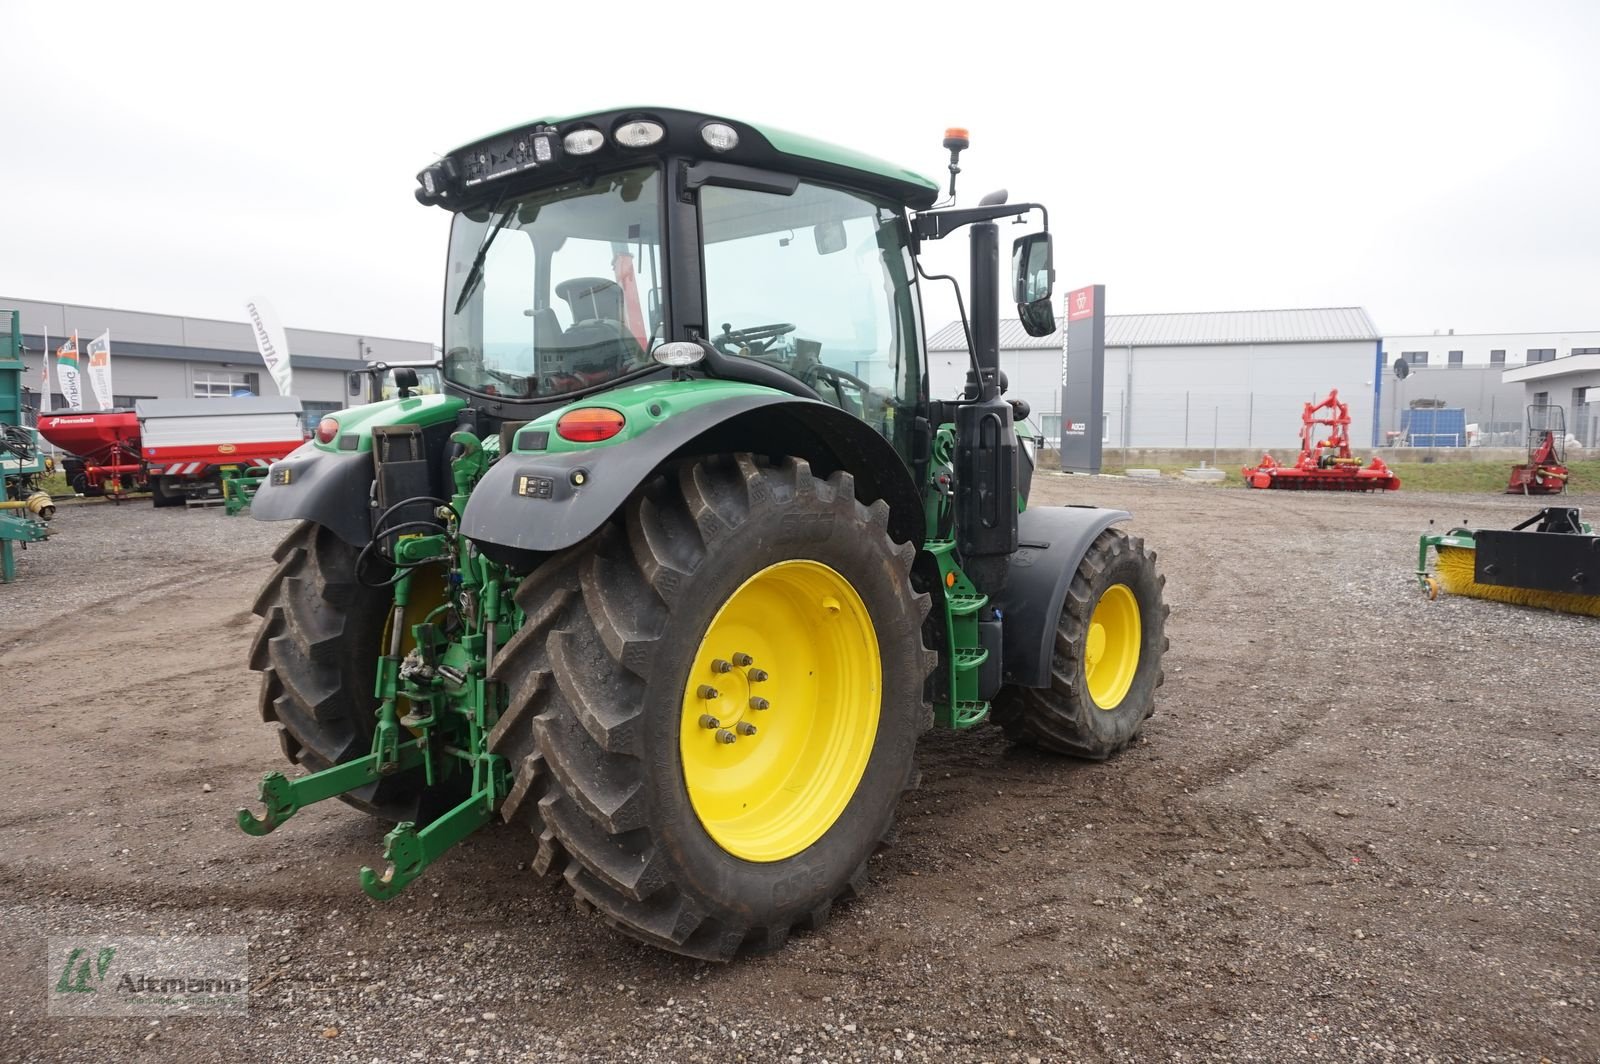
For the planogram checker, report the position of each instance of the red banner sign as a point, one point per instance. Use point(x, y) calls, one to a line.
point(1080, 303)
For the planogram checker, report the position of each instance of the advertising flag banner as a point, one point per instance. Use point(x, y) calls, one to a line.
point(272, 344)
point(44, 377)
point(67, 373)
point(100, 369)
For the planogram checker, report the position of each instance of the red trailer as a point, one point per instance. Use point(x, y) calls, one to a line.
point(174, 448)
point(1324, 465)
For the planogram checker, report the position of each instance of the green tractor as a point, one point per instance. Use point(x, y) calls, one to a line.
point(685, 558)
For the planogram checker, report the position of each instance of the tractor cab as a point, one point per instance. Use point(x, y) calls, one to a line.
point(581, 246)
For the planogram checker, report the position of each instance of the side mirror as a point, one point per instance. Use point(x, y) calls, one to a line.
point(830, 237)
point(1033, 280)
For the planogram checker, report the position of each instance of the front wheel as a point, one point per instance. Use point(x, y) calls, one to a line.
point(714, 704)
point(1106, 662)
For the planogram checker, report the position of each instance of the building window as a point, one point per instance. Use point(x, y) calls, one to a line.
point(1541, 398)
point(1455, 358)
point(128, 400)
point(220, 384)
point(1497, 358)
point(1586, 350)
point(312, 411)
point(1416, 358)
point(1541, 354)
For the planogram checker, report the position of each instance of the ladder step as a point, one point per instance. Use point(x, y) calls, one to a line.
point(969, 713)
point(970, 657)
point(963, 605)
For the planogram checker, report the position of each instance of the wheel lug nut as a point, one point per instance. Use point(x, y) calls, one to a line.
point(757, 675)
point(759, 703)
point(745, 728)
point(721, 666)
point(707, 691)
point(708, 721)
point(726, 736)
point(742, 660)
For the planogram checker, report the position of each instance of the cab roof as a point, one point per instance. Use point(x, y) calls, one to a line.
point(759, 146)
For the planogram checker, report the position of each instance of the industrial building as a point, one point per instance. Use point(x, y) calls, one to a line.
point(1571, 382)
point(1238, 379)
point(1225, 379)
point(164, 356)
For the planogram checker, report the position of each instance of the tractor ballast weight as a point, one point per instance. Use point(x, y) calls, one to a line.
point(679, 593)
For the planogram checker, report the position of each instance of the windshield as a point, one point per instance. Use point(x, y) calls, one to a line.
point(428, 382)
point(558, 290)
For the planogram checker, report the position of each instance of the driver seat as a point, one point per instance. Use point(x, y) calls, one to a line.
point(595, 340)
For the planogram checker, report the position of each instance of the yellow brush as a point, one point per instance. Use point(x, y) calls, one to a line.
point(1457, 575)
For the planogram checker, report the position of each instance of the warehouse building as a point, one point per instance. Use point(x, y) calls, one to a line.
point(1571, 382)
point(164, 356)
point(1224, 380)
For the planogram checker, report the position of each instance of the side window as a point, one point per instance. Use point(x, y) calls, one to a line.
point(818, 284)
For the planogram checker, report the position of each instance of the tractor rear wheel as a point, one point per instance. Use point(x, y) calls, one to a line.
point(1106, 664)
point(317, 649)
point(715, 702)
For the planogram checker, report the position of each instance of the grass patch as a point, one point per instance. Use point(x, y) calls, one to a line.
point(1481, 477)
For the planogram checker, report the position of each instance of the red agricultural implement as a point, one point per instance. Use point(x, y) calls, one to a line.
point(1324, 465)
point(176, 449)
point(1545, 471)
point(104, 446)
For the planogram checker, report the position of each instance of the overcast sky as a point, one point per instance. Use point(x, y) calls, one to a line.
point(1436, 163)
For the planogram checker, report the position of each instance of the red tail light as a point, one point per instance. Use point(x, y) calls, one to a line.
point(590, 424)
point(327, 429)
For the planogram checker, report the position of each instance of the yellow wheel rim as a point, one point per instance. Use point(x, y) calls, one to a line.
point(1111, 649)
point(768, 782)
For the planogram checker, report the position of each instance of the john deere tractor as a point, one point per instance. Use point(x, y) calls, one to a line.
point(685, 558)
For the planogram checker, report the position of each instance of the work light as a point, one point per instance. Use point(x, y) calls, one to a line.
point(583, 141)
point(640, 134)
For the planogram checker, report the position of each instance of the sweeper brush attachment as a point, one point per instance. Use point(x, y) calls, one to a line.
point(1554, 566)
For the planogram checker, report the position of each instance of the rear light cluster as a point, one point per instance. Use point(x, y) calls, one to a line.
point(590, 424)
point(327, 429)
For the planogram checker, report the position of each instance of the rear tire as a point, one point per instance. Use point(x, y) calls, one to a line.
point(317, 651)
point(609, 765)
point(1117, 574)
point(166, 491)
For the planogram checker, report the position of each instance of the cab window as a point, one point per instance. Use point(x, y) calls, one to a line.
point(818, 284)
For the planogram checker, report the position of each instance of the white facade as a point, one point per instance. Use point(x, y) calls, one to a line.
point(1224, 380)
point(165, 356)
point(1572, 383)
point(1484, 349)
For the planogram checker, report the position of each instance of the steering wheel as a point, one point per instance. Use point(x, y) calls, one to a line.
point(754, 340)
point(839, 380)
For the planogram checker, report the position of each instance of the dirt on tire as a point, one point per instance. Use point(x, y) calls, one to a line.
point(1363, 826)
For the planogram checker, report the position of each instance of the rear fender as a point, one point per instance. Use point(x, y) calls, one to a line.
point(1051, 542)
point(538, 498)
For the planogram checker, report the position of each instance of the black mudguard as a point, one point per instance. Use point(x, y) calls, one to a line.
point(333, 489)
point(548, 502)
point(1051, 541)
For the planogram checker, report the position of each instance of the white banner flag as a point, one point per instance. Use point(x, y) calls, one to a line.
point(67, 373)
point(100, 369)
point(45, 387)
point(271, 343)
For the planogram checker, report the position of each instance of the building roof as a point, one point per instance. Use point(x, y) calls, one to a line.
point(1558, 367)
point(1300, 325)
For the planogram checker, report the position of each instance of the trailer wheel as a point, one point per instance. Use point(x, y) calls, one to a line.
point(715, 702)
point(165, 491)
point(317, 647)
point(1106, 664)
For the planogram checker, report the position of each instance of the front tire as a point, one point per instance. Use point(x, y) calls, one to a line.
point(703, 843)
point(1106, 662)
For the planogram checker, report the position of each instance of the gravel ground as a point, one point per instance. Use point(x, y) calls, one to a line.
point(1361, 827)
